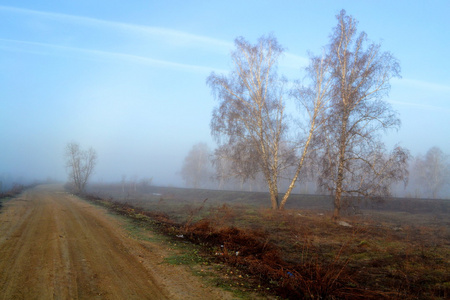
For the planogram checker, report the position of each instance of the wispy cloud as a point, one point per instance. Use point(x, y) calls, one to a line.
point(290, 61)
point(43, 49)
point(168, 34)
point(421, 106)
point(423, 84)
point(422, 94)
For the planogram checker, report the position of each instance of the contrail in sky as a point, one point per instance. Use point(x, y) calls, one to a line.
point(170, 35)
point(424, 84)
point(164, 32)
point(425, 87)
point(423, 106)
point(173, 36)
point(107, 54)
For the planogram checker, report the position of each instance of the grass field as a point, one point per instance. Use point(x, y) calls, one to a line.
point(399, 249)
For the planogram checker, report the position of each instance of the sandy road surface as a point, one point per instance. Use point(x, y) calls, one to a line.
point(56, 246)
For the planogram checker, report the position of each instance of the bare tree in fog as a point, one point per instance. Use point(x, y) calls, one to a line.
point(236, 161)
point(80, 165)
point(223, 169)
point(231, 175)
point(123, 181)
point(354, 161)
point(146, 183)
point(251, 125)
point(196, 166)
point(432, 171)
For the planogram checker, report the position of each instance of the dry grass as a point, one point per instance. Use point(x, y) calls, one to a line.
point(301, 253)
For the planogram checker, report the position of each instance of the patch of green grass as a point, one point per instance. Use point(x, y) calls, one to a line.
point(188, 258)
point(143, 231)
point(239, 290)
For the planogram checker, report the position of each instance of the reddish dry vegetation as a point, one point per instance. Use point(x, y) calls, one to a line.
point(302, 254)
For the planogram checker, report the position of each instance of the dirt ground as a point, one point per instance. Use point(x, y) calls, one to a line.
point(54, 245)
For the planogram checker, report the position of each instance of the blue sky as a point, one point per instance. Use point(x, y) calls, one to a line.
point(128, 77)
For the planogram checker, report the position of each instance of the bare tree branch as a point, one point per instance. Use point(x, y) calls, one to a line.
point(80, 165)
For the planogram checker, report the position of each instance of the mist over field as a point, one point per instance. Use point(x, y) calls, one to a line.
point(130, 82)
point(225, 149)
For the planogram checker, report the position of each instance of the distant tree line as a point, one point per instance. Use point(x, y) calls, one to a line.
point(333, 138)
point(423, 171)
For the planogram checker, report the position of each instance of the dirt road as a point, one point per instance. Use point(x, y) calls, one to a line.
point(54, 245)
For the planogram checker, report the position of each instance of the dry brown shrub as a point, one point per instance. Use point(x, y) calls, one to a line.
point(223, 216)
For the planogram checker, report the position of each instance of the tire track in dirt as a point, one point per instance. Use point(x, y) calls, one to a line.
point(54, 245)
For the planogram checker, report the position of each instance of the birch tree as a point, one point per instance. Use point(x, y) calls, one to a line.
point(80, 165)
point(432, 171)
point(250, 124)
point(196, 166)
point(354, 162)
